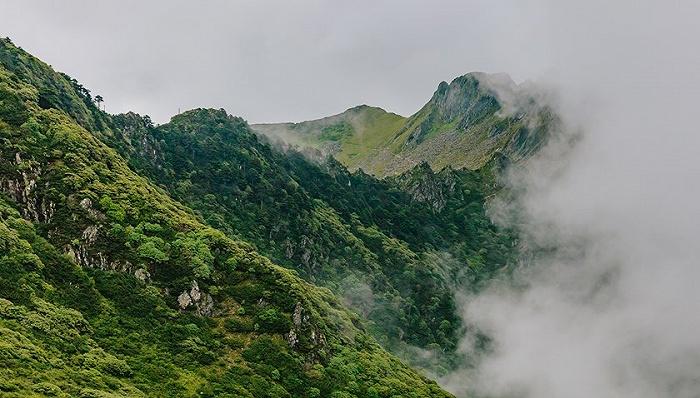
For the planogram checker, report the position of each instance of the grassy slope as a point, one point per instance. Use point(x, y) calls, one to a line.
point(367, 130)
point(373, 129)
point(462, 126)
point(118, 226)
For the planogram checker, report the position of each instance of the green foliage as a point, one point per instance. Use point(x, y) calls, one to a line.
point(336, 132)
point(150, 250)
point(392, 249)
point(116, 289)
point(12, 108)
point(195, 252)
point(273, 321)
point(463, 125)
point(112, 210)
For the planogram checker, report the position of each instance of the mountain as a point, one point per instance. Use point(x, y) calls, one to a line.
point(463, 125)
point(350, 136)
point(111, 286)
point(375, 245)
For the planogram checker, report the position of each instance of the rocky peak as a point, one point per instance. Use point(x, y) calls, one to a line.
point(469, 98)
point(428, 187)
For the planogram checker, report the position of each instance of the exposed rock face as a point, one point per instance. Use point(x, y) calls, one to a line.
point(298, 321)
point(288, 249)
point(23, 190)
point(184, 300)
point(426, 186)
point(304, 251)
point(90, 234)
point(84, 257)
point(26, 188)
point(86, 204)
point(304, 334)
point(84, 253)
point(142, 275)
point(463, 125)
point(202, 301)
point(133, 131)
point(461, 103)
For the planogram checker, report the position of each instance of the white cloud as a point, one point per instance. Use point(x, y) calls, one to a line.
point(613, 311)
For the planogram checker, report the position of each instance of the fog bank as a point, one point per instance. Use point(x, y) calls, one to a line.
point(610, 305)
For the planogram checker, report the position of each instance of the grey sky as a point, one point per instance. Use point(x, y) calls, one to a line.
point(614, 311)
point(276, 60)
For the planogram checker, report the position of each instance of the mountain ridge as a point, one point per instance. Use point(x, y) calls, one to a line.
point(463, 125)
point(343, 134)
point(300, 213)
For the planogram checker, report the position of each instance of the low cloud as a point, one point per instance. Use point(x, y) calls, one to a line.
point(605, 300)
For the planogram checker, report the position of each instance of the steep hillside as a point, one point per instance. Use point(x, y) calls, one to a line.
point(463, 125)
point(367, 240)
point(119, 290)
point(47, 345)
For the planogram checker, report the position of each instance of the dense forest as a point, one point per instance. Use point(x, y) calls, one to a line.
point(198, 258)
point(112, 288)
point(389, 248)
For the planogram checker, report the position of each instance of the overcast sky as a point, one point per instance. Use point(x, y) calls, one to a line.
point(277, 60)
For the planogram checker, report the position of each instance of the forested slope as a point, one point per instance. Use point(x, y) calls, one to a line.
point(112, 287)
point(392, 253)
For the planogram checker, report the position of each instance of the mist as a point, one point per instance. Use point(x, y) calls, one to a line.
point(605, 300)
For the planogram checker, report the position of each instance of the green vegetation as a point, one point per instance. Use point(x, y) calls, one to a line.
point(463, 125)
point(354, 136)
point(336, 132)
point(196, 258)
point(392, 251)
point(110, 287)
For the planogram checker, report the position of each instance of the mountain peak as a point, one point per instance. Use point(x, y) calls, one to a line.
point(498, 84)
point(462, 125)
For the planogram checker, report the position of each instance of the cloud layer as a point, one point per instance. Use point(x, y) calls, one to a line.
point(609, 305)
